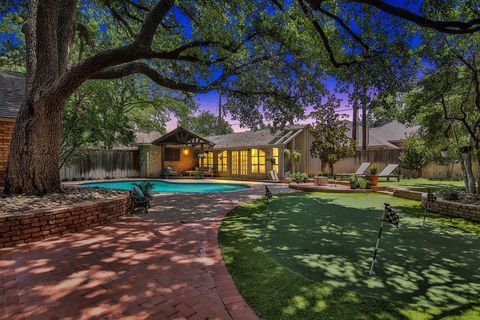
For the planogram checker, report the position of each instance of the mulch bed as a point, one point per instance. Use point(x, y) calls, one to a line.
point(69, 195)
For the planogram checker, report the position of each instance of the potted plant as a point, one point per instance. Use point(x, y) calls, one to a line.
point(321, 179)
point(354, 182)
point(372, 175)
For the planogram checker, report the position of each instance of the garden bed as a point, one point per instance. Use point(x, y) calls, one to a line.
point(26, 219)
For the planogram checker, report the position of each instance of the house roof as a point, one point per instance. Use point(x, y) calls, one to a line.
point(181, 136)
point(384, 136)
point(146, 137)
point(257, 138)
point(394, 131)
point(12, 92)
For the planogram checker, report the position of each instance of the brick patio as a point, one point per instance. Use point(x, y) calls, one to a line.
point(166, 265)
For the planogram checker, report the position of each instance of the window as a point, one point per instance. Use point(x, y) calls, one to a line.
point(172, 154)
point(258, 161)
point(234, 162)
point(244, 162)
point(275, 159)
point(208, 160)
point(222, 161)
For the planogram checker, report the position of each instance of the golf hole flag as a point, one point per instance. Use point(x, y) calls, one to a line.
point(390, 217)
point(268, 196)
point(428, 201)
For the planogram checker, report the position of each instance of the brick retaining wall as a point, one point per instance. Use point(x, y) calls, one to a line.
point(6, 129)
point(408, 194)
point(456, 209)
point(42, 223)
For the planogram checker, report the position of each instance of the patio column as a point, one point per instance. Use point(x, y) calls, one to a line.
point(162, 160)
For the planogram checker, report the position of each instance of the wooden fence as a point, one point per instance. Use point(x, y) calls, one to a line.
point(102, 164)
point(383, 157)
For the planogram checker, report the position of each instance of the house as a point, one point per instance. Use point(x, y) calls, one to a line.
point(241, 155)
point(12, 92)
point(390, 136)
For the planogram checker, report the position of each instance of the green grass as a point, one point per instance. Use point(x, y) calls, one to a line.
point(308, 262)
point(421, 184)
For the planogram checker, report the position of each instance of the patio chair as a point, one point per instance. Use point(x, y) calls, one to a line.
point(209, 172)
point(273, 176)
point(169, 172)
point(387, 172)
point(138, 200)
point(360, 171)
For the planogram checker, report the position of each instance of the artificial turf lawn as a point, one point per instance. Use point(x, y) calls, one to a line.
point(309, 262)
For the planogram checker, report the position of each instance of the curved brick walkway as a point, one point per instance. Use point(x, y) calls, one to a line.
point(166, 265)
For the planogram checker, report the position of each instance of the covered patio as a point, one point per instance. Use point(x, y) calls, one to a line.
point(175, 153)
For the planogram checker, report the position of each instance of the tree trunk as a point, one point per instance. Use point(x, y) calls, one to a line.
point(464, 173)
point(364, 118)
point(330, 167)
point(355, 113)
point(34, 157)
point(469, 173)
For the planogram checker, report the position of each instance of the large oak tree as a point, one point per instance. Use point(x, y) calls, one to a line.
point(222, 42)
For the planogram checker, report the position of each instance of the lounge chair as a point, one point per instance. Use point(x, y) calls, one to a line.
point(273, 176)
point(138, 200)
point(360, 171)
point(169, 172)
point(387, 172)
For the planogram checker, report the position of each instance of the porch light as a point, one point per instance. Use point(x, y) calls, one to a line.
point(186, 152)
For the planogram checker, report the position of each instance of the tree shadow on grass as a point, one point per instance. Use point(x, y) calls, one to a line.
point(433, 270)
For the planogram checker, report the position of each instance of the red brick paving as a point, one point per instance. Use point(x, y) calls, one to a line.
point(131, 269)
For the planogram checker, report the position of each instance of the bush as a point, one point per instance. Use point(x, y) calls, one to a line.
point(298, 177)
point(450, 193)
point(363, 183)
point(322, 174)
point(146, 187)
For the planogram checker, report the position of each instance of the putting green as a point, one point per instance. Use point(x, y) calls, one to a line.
point(329, 239)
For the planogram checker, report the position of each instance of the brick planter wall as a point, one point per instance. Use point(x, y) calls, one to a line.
point(6, 129)
point(456, 209)
point(408, 194)
point(43, 223)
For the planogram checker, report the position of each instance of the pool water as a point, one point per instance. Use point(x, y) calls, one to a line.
point(163, 186)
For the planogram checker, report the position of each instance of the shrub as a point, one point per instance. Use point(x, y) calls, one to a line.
point(299, 177)
point(363, 183)
point(354, 181)
point(322, 174)
point(373, 169)
point(450, 193)
point(146, 187)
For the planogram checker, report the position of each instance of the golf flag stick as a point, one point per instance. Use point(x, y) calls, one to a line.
point(388, 216)
point(370, 272)
point(430, 199)
point(268, 196)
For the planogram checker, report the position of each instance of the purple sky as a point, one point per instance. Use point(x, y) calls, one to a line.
point(209, 102)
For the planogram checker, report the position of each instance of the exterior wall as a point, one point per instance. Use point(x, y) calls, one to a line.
point(6, 130)
point(150, 161)
point(310, 165)
point(187, 161)
point(43, 223)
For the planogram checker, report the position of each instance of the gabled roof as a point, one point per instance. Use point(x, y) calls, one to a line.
point(384, 136)
point(181, 136)
point(257, 138)
point(12, 92)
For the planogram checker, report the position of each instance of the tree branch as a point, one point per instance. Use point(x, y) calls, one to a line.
point(453, 27)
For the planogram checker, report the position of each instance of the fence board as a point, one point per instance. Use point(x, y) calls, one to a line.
point(102, 164)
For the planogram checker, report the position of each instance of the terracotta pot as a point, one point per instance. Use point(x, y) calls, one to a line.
point(373, 180)
point(320, 181)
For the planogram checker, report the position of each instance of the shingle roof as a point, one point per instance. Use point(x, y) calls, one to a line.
point(385, 135)
point(12, 92)
point(250, 138)
point(394, 131)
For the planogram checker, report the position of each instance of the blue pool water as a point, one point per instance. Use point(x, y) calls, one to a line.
point(162, 186)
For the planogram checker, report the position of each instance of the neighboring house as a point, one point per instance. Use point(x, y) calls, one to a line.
point(389, 136)
point(12, 92)
point(242, 155)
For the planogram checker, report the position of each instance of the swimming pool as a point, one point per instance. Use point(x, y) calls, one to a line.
point(163, 186)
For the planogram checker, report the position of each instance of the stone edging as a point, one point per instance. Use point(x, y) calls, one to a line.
point(42, 223)
point(443, 207)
